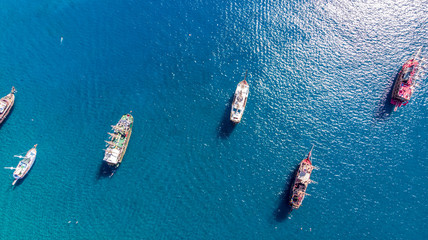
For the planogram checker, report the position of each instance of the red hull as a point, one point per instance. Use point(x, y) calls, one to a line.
point(404, 85)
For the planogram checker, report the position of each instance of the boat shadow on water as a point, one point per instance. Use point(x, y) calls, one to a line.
point(226, 126)
point(105, 171)
point(384, 108)
point(284, 209)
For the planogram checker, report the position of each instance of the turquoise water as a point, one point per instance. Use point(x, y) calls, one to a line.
point(319, 73)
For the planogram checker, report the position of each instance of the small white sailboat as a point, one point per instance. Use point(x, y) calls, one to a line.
point(25, 164)
point(239, 101)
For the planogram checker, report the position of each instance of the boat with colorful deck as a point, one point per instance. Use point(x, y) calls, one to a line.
point(119, 140)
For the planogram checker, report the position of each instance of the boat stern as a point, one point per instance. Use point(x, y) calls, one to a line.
point(294, 202)
point(235, 118)
point(112, 157)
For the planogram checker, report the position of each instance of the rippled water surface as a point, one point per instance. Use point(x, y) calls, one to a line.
point(320, 73)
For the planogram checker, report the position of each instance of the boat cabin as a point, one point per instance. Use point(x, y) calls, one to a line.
point(112, 156)
point(3, 106)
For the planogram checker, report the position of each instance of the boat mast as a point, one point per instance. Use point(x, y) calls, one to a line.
point(417, 53)
point(310, 152)
point(113, 135)
point(110, 143)
point(117, 128)
point(423, 65)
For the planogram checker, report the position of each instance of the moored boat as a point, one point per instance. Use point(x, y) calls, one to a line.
point(25, 164)
point(301, 182)
point(405, 82)
point(6, 104)
point(119, 140)
point(239, 101)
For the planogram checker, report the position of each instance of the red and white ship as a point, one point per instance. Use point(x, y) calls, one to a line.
point(405, 83)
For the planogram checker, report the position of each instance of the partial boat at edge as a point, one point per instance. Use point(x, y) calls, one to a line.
point(6, 104)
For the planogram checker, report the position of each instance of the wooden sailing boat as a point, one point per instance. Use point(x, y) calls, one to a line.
point(25, 164)
point(301, 182)
point(6, 104)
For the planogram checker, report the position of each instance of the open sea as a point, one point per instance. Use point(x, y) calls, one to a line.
point(320, 72)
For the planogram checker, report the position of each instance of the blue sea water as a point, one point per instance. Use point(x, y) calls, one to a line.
point(319, 72)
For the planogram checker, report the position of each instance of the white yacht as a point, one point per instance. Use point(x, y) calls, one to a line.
point(239, 101)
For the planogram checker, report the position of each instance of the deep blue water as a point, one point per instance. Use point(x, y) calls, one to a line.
point(319, 73)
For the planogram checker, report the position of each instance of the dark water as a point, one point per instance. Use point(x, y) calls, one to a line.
point(319, 73)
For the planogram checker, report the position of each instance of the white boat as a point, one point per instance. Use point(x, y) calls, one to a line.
point(239, 101)
point(25, 164)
